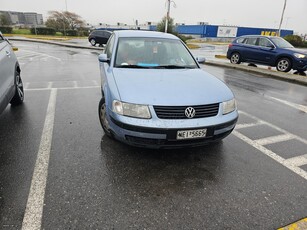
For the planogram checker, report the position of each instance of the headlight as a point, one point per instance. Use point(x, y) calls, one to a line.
point(131, 110)
point(229, 106)
point(300, 55)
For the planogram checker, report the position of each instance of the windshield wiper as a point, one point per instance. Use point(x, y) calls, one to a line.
point(132, 66)
point(174, 67)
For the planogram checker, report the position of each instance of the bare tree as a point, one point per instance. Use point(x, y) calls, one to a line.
point(67, 20)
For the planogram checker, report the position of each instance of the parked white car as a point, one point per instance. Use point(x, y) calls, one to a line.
point(11, 87)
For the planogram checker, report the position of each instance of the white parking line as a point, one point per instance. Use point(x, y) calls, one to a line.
point(50, 83)
point(274, 139)
point(26, 56)
point(292, 163)
point(297, 161)
point(34, 209)
point(291, 104)
point(274, 127)
point(42, 55)
point(248, 125)
point(64, 88)
point(271, 154)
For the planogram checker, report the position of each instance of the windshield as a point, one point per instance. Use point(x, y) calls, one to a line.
point(152, 53)
point(281, 43)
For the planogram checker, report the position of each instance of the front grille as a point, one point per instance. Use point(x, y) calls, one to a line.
point(178, 112)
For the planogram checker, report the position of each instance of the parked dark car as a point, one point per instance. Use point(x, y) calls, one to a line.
point(267, 50)
point(11, 87)
point(99, 37)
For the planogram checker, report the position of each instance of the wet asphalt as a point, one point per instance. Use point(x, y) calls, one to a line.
point(94, 182)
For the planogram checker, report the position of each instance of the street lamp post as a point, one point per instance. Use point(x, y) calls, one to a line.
point(282, 17)
point(167, 14)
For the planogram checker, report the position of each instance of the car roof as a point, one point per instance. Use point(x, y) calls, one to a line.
point(102, 30)
point(144, 34)
point(257, 36)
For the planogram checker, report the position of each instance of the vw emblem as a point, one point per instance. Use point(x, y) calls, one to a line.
point(189, 112)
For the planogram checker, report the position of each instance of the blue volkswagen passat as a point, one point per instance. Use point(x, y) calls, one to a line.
point(154, 93)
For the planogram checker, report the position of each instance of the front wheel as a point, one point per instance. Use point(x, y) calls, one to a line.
point(102, 113)
point(19, 93)
point(284, 65)
point(235, 58)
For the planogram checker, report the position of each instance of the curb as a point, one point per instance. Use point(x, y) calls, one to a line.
point(272, 74)
point(297, 79)
point(56, 43)
point(298, 225)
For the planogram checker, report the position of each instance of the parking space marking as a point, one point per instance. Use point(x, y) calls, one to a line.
point(274, 127)
point(291, 104)
point(248, 125)
point(297, 161)
point(27, 56)
point(272, 155)
point(292, 163)
point(274, 139)
point(63, 88)
point(49, 86)
point(34, 54)
point(34, 209)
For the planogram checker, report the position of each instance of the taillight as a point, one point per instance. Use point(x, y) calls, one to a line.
point(230, 45)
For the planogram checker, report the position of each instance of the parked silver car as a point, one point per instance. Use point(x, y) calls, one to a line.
point(11, 87)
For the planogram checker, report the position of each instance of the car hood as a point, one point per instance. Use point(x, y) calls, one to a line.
point(169, 87)
point(296, 50)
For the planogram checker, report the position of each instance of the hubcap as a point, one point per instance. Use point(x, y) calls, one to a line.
point(103, 117)
point(283, 65)
point(93, 42)
point(235, 58)
point(19, 86)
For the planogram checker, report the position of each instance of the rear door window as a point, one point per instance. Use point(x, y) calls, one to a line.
point(251, 41)
point(241, 40)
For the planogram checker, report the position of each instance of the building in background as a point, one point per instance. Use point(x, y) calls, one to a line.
point(222, 31)
point(23, 18)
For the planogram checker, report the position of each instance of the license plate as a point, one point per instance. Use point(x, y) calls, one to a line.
point(191, 134)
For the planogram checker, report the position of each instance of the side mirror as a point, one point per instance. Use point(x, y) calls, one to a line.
point(270, 46)
point(200, 60)
point(103, 58)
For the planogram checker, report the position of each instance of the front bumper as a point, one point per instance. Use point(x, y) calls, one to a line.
point(159, 137)
point(300, 65)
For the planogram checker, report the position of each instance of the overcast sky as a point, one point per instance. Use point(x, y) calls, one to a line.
point(255, 13)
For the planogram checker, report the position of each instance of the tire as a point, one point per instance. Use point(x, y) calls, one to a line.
point(93, 42)
point(19, 92)
point(235, 58)
point(102, 113)
point(284, 65)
